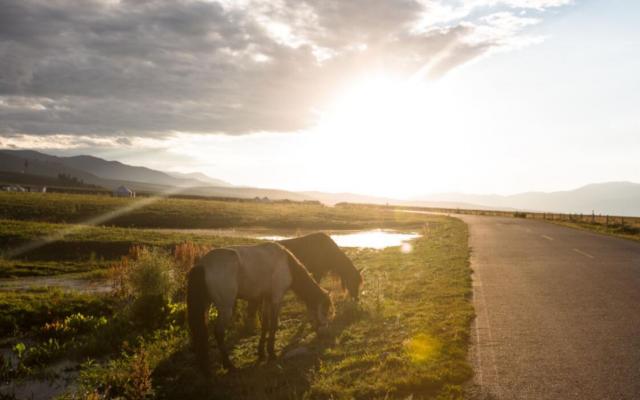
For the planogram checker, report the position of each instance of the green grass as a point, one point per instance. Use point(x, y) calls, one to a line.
point(22, 311)
point(618, 230)
point(408, 336)
point(23, 268)
point(83, 248)
point(196, 213)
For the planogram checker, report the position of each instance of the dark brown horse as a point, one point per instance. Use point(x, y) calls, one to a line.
point(321, 255)
point(261, 274)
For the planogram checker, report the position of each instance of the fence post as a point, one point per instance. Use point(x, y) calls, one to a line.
point(606, 220)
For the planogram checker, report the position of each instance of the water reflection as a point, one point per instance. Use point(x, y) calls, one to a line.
point(376, 239)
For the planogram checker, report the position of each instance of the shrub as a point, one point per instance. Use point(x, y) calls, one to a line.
point(151, 274)
point(146, 278)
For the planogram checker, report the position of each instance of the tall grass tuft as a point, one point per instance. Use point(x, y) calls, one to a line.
point(185, 255)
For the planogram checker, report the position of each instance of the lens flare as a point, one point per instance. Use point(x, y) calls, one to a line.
point(422, 348)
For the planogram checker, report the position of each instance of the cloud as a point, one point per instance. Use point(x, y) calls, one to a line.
point(154, 68)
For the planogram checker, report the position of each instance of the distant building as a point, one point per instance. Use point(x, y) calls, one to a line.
point(124, 191)
point(13, 188)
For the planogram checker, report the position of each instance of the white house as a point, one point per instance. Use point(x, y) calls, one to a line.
point(124, 191)
point(13, 188)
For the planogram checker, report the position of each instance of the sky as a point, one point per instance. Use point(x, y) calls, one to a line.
point(399, 98)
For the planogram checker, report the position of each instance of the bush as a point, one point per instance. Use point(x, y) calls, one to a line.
point(151, 274)
point(148, 280)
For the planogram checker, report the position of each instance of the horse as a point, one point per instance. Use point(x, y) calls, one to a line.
point(259, 273)
point(320, 255)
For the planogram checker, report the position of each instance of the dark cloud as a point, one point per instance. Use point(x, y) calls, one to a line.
point(139, 68)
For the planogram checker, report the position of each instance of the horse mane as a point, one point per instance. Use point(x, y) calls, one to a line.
point(303, 284)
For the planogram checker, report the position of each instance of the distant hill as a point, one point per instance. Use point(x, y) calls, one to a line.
point(200, 177)
point(334, 198)
point(93, 169)
point(614, 198)
point(20, 166)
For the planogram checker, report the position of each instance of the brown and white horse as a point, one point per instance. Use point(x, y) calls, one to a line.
point(261, 273)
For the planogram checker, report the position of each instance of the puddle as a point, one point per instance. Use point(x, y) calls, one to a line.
point(61, 377)
point(375, 239)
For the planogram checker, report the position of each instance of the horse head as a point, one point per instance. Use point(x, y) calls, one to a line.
point(352, 278)
point(322, 313)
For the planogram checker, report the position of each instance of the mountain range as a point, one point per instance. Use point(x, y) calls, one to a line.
point(615, 198)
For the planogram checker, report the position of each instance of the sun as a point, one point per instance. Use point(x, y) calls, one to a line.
point(378, 128)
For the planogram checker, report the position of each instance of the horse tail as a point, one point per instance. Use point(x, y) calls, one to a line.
point(197, 314)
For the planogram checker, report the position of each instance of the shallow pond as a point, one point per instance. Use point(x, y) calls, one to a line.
point(375, 238)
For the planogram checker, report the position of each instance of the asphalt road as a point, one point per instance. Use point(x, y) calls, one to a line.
point(558, 311)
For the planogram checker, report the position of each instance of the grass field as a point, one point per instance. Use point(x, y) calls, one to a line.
point(80, 248)
point(191, 213)
point(408, 335)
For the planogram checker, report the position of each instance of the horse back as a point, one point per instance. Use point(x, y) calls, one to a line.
point(264, 270)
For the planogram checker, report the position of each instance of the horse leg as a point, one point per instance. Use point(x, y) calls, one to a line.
point(273, 327)
point(222, 321)
point(264, 326)
point(250, 317)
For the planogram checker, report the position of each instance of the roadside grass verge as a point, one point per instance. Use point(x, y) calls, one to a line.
point(618, 230)
point(408, 336)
